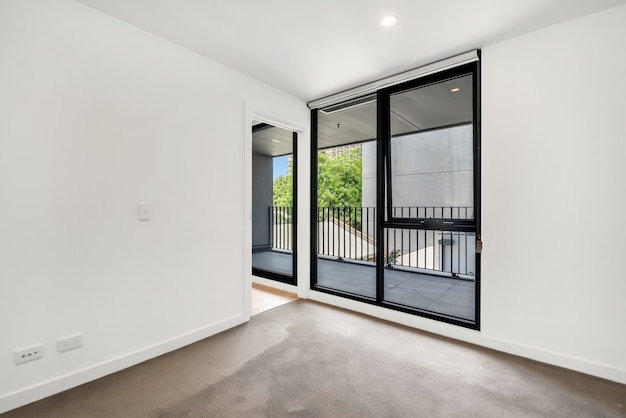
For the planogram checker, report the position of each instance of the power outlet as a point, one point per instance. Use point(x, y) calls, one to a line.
point(68, 343)
point(28, 354)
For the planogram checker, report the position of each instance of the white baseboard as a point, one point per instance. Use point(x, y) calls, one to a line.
point(59, 384)
point(581, 365)
point(603, 371)
point(42, 390)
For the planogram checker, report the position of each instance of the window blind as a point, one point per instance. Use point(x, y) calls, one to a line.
point(374, 86)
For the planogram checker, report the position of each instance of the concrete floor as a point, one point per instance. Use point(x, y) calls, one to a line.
point(273, 261)
point(437, 294)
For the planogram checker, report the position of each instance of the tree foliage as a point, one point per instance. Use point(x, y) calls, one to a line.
point(283, 187)
point(339, 181)
point(339, 185)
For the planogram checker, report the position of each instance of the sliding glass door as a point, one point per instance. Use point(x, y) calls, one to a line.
point(412, 242)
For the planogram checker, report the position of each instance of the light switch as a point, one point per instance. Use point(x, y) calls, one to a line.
point(144, 211)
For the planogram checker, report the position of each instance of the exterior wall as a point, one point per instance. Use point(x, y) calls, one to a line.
point(368, 158)
point(433, 168)
point(262, 174)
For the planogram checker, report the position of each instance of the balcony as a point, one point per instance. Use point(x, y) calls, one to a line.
point(426, 270)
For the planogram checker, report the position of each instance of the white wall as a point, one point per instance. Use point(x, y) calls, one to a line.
point(554, 143)
point(97, 116)
point(553, 196)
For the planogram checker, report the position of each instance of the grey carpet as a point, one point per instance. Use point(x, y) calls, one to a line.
point(304, 359)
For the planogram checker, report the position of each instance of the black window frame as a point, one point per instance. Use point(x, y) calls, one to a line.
point(384, 135)
point(386, 220)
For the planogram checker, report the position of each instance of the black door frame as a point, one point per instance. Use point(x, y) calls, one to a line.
point(283, 278)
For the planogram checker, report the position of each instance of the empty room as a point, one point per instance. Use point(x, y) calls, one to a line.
point(429, 194)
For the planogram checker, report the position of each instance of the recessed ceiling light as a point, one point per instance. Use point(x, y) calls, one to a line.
point(388, 20)
point(454, 90)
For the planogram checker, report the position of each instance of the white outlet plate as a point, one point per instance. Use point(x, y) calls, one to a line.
point(28, 354)
point(70, 342)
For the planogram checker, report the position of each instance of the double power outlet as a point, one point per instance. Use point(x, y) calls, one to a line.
point(36, 351)
point(67, 343)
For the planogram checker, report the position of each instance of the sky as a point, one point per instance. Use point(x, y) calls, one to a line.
point(280, 166)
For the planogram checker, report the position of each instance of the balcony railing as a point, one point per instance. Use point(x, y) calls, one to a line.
point(449, 252)
point(349, 233)
point(281, 219)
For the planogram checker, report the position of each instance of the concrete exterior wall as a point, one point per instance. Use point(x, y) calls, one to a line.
point(368, 169)
point(433, 168)
point(262, 192)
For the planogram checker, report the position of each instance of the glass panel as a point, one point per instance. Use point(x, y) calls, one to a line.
point(431, 270)
point(432, 150)
point(272, 202)
point(346, 218)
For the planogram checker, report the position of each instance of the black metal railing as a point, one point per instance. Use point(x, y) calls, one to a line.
point(281, 220)
point(435, 212)
point(450, 252)
point(349, 233)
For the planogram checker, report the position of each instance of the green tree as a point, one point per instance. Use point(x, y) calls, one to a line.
point(283, 187)
point(339, 181)
point(339, 186)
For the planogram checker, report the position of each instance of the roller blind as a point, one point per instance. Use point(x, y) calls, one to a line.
point(374, 86)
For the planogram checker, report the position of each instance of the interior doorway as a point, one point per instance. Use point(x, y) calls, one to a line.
point(274, 197)
point(265, 298)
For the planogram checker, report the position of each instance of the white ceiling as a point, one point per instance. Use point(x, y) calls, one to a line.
point(312, 49)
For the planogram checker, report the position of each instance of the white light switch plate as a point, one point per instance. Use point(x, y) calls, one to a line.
point(144, 211)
